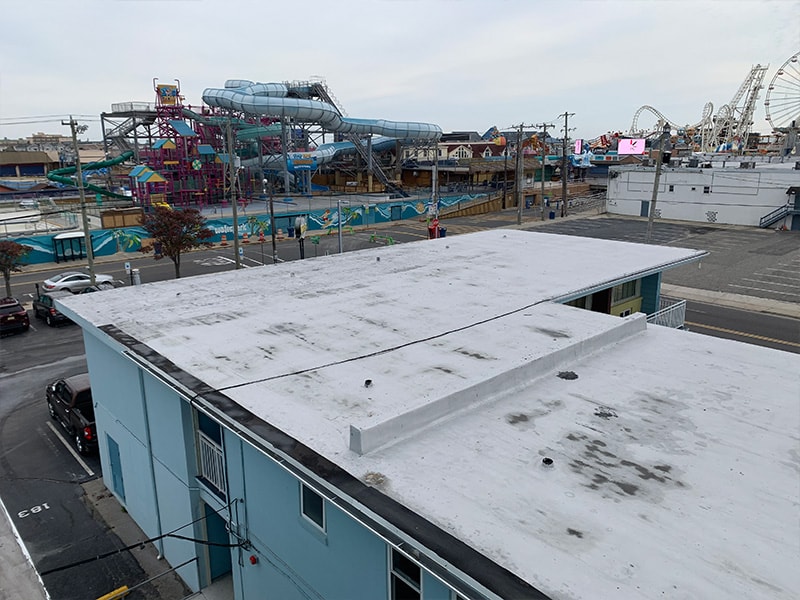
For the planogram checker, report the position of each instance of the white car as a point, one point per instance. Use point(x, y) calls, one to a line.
point(74, 281)
point(28, 204)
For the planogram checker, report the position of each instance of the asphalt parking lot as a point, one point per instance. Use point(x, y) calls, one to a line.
point(764, 263)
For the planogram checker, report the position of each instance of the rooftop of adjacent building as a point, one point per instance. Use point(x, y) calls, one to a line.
point(590, 455)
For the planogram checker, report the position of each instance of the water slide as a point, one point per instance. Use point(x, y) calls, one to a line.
point(272, 99)
point(59, 175)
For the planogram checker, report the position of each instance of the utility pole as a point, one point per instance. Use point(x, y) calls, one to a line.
point(505, 174)
point(87, 236)
point(232, 169)
point(564, 169)
point(518, 174)
point(662, 138)
point(544, 126)
point(272, 224)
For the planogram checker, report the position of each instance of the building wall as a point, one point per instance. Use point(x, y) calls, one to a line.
point(147, 421)
point(719, 195)
point(155, 431)
point(651, 293)
point(633, 305)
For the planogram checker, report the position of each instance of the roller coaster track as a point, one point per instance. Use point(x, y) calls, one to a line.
point(731, 122)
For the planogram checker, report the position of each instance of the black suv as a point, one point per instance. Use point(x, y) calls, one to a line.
point(13, 316)
point(44, 307)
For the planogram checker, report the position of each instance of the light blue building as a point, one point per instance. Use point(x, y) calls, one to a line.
point(435, 423)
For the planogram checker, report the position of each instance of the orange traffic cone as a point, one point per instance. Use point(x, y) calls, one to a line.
point(245, 239)
point(224, 240)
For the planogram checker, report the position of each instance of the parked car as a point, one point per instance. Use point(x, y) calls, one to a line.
point(70, 403)
point(74, 281)
point(28, 204)
point(44, 307)
point(13, 316)
point(97, 288)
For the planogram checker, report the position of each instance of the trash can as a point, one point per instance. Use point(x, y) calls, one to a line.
point(290, 231)
point(552, 214)
point(442, 231)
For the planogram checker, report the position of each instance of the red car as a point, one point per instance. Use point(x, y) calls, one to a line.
point(13, 316)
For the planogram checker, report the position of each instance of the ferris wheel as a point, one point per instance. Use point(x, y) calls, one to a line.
point(783, 96)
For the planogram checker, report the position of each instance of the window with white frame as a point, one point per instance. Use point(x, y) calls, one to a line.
point(406, 577)
point(211, 456)
point(312, 505)
point(625, 291)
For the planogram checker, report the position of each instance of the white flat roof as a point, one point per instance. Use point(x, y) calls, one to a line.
point(675, 455)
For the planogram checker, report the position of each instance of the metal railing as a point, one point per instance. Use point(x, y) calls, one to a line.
point(774, 216)
point(212, 462)
point(671, 314)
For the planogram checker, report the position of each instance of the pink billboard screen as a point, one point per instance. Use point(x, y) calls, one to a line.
point(632, 146)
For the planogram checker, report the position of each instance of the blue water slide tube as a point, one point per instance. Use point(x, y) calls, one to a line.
point(324, 153)
point(271, 99)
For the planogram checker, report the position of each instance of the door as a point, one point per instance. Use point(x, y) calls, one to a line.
point(645, 211)
point(219, 557)
point(117, 482)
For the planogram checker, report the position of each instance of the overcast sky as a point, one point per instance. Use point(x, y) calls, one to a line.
point(461, 64)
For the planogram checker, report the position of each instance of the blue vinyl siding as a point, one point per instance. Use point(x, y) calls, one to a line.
point(650, 292)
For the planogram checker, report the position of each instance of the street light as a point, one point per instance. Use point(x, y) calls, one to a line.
point(661, 143)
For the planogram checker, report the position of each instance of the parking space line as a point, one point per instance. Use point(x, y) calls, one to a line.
point(749, 287)
point(789, 285)
point(71, 451)
point(23, 548)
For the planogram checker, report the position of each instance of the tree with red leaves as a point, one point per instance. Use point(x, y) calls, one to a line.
point(175, 231)
point(12, 256)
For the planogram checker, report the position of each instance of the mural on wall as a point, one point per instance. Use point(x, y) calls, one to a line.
point(106, 242)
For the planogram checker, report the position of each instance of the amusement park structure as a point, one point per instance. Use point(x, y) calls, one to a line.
point(731, 124)
point(279, 135)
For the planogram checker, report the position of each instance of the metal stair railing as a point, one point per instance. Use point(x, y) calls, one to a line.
point(673, 315)
point(775, 216)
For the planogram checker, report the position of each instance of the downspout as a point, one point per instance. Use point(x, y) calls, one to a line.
point(151, 467)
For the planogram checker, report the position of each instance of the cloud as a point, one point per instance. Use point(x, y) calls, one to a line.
point(464, 65)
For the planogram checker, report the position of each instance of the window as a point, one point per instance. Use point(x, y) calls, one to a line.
point(312, 506)
point(706, 189)
point(671, 188)
point(406, 578)
point(625, 291)
point(212, 470)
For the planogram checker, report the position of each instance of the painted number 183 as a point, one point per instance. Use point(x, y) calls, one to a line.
point(33, 510)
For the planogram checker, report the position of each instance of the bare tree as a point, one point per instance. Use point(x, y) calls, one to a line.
point(12, 257)
point(175, 231)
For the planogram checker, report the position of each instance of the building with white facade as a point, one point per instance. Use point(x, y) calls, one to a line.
point(435, 422)
point(740, 193)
